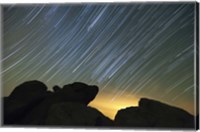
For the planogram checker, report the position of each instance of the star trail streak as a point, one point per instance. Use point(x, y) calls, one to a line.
point(129, 50)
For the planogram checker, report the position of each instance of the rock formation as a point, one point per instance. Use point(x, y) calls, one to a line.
point(76, 114)
point(154, 114)
point(31, 104)
point(23, 99)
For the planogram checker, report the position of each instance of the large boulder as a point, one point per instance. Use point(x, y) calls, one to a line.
point(28, 90)
point(76, 114)
point(76, 93)
point(22, 99)
point(151, 113)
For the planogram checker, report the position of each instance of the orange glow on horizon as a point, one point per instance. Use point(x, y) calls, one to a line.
point(109, 107)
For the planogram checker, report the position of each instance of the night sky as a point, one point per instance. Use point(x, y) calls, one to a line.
point(128, 50)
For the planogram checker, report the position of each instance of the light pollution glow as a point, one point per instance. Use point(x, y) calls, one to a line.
point(129, 50)
point(109, 107)
point(105, 104)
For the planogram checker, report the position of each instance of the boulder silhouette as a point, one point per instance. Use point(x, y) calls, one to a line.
point(32, 104)
point(151, 113)
point(22, 99)
point(75, 114)
point(76, 93)
point(31, 88)
point(79, 92)
point(56, 88)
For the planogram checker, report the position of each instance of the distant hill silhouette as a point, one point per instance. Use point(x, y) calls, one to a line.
point(151, 113)
point(32, 104)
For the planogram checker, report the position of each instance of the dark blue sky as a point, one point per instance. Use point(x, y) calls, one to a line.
point(128, 50)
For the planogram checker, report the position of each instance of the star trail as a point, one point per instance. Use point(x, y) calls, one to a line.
point(129, 51)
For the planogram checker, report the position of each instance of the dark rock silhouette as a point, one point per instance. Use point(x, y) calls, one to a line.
point(31, 88)
point(151, 113)
point(23, 98)
point(79, 92)
point(65, 114)
point(31, 104)
point(76, 93)
point(56, 88)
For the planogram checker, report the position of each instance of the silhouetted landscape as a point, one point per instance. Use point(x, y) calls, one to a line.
point(31, 104)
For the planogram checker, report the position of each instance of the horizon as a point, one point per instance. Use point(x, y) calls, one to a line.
point(128, 50)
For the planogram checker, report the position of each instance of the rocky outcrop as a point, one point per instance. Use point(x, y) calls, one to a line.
point(30, 102)
point(76, 114)
point(154, 114)
point(23, 99)
point(76, 92)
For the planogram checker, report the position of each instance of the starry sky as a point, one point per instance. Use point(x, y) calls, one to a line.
point(129, 50)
